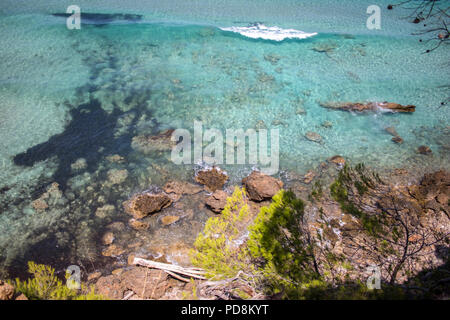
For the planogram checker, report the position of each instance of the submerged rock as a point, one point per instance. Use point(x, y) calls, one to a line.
point(115, 158)
point(371, 106)
point(39, 205)
point(300, 111)
point(213, 178)
point(175, 189)
point(391, 131)
point(141, 205)
point(168, 220)
point(260, 125)
point(108, 238)
point(313, 136)
point(325, 47)
point(272, 58)
point(260, 186)
point(217, 201)
point(148, 143)
point(138, 225)
point(79, 164)
point(116, 176)
point(424, 150)
point(327, 124)
point(397, 139)
point(104, 211)
point(338, 160)
point(113, 251)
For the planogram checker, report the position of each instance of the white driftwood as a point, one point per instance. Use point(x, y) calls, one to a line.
point(128, 296)
point(196, 273)
point(177, 276)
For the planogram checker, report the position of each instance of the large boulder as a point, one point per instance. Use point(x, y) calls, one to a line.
point(370, 106)
point(6, 291)
point(260, 186)
point(217, 201)
point(141, 205)
point(213, 178)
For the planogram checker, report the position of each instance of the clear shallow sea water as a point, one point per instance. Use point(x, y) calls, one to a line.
point(70, 94)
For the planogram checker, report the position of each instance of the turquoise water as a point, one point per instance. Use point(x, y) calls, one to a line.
point(71, 94)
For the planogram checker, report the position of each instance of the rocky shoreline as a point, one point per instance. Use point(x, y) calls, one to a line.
point(128, 281)
point(134, 282)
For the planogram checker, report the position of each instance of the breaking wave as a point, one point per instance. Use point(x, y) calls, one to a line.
point(260, 31)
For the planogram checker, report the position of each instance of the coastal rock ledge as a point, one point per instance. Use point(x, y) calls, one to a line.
point(370, 106)
point(260, 186)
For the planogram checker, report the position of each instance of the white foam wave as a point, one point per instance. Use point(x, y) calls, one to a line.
point(260, 31)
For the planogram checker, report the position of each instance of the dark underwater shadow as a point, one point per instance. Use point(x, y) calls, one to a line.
point(89, 135)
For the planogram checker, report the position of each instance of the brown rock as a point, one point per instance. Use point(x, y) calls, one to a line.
point(424, 150)
point(167, 220)
point(371, 106)
point(338, 160)
point(217, 201)
point(138, 225)
point(108, 238)
point(145, 283)
point(22, 297)
point(93, 276)
point(213, 178)
point(111, 287)
point(6, 291)
point(440, 178)
point(442, 198)
point(309, 177)
point(396, 107)
point(260, 186)
point(117, 272)
point(141, 205)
